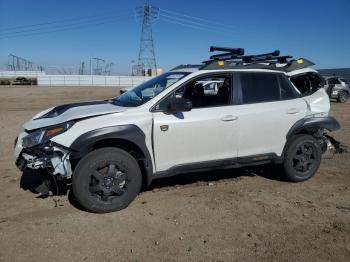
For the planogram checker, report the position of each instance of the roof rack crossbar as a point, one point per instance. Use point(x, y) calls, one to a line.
point(224, 56)
point(261, 56)
point(232, 51)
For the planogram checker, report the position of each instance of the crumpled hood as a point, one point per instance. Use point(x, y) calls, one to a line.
point(68, 112)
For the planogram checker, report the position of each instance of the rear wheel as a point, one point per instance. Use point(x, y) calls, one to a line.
point(106, 180)
point(342, 97)
point(302, 158)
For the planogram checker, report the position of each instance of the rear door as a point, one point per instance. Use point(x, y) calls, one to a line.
point(270, 105)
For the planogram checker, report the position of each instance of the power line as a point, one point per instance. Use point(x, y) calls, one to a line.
point(196, 18)
point(56, 21)
point(193, 24)
point(61, 29)
point(218, 31)
point(56, 26)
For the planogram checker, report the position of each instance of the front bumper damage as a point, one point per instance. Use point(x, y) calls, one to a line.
point(51, 157)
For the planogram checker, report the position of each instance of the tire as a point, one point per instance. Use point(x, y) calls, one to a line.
point(302, 158)
point(342, 97)
point(106, 180)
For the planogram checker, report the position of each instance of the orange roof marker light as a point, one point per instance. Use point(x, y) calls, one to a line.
point(221, 63)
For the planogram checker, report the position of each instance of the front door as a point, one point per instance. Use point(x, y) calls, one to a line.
point(206, 133)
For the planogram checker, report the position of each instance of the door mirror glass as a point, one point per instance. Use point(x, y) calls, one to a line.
point(177, 105)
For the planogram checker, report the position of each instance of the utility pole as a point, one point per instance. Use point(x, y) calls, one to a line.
point(98, 69)
point(147, 14)
point(82, 68)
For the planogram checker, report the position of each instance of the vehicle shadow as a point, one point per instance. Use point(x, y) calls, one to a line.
point(267, 171)
point(39, 182)
point(43, 185)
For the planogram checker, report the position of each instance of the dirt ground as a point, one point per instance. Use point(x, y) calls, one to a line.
point(234, 215)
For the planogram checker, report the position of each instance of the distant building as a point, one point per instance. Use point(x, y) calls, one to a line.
point(152, 72)
point(342, 72)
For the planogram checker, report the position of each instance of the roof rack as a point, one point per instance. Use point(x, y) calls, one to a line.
point(235, 58)
point(186, 66)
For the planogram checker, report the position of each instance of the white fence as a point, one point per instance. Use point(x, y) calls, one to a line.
point(8, 74)
point(90, 80)
point(76, 80)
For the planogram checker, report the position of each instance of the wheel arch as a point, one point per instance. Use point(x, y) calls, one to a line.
point(312, 125)
point(129, 138)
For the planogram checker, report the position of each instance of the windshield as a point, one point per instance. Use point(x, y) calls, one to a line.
point(146, 91)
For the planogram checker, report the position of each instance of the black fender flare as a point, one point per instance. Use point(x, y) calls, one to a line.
point(131, 133)
point(312, 124)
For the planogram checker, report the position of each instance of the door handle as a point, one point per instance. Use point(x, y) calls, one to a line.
point(229, 118)
point(293, 111)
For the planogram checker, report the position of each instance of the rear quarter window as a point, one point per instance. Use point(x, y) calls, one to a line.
point(259, 87)
point(288, 91)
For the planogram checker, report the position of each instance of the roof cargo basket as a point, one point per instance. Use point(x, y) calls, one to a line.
point(234, 58)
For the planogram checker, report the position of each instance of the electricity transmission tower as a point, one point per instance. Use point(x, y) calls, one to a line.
point(16, 63)
point(147, 14)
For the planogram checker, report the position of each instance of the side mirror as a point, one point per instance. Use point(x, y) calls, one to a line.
point(177, 105)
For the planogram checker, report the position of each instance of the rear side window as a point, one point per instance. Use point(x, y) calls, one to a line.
point(343, 80)
point(259, 87)
point(288, 91)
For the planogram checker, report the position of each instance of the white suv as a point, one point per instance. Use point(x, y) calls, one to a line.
point(170, 125)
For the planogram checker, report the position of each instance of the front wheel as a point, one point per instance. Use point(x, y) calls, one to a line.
point(106, 180)
point(302, 158)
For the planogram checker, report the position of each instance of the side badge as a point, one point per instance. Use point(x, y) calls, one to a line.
point(164, 127)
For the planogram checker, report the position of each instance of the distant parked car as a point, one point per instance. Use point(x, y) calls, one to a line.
point(24, 81)
point(337, 88)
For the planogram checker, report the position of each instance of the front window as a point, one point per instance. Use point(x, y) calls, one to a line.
point(146, 91)
point(204, 92)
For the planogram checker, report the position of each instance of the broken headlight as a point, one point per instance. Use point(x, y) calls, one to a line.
point(43, 135)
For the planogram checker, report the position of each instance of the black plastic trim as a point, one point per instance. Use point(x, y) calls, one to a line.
point(219, 164)
point(312, 124)
point(131, 133)
point(58, 110)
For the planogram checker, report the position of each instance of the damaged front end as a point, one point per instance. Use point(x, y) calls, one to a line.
point(51, 157)
point(35, 150)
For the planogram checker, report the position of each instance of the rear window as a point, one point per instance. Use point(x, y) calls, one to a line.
point(308, 83)
point(259, 87)
point(343, 80)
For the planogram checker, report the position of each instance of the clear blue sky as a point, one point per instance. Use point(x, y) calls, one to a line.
point(318, 30)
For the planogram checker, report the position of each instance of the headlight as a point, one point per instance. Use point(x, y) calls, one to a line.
point(43, 135)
